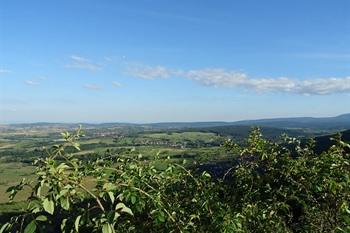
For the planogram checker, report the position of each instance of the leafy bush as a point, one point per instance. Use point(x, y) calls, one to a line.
point(289, 188)
point(274, 187)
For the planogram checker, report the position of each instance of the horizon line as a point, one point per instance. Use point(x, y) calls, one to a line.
point(163, 122)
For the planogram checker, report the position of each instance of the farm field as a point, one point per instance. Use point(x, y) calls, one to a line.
point(19, 148)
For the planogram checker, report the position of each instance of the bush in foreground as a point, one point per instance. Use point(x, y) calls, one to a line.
point(283, 187)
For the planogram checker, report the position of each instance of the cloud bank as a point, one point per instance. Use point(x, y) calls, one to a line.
point(232, 79)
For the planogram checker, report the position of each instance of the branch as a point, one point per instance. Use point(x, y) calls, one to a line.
point(93, 195)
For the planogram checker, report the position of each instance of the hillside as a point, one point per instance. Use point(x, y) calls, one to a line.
point(238, 132)
point(340, 122)
point(336, 123)
point(323, 143)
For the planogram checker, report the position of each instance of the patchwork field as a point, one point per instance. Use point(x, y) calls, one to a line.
point(19, 148)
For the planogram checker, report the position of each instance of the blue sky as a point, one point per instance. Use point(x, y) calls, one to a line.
point(185, 60)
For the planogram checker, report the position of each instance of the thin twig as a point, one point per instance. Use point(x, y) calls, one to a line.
point(188, 172)
point(93, 195)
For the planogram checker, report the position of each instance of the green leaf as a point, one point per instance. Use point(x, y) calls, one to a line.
point(133, 199)
point(107, 228)
point(109, 186)
point(31, 227)
point(161, 216)
point(5, 227)
point(206, 174)
point(38, 191)
point(62, 167)
point(111, 196)
point(121, 206)
point(116, 216)
point(127, 210)
point(41, 218)
point(49, 206)
point(63, 224)
point(76, 145)
point(76, 223)
point(65, 203)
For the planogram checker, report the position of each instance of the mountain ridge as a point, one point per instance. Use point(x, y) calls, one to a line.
point(338, 122)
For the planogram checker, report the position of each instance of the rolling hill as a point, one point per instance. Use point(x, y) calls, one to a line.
point(340, 122)
point(337, 123)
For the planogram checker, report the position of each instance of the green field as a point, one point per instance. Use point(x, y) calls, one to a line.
point(19, 149)
point(10, 174)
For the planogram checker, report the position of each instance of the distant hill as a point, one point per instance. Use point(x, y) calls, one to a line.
point(340, 122)
point(337, 123)
point(240, 132)
point(177, 125)
point(161, 125)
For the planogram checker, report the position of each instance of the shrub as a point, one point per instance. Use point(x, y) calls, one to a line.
point(283, 187)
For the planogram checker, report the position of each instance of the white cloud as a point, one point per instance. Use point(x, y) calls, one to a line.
point(216, 77)
point(116, 84)
point(36, 81)
point(4, 71)
point(31, 82)
point(78, 62)
point(148, 72)
point(93, 87)
point(324, 86)
point(225, 78)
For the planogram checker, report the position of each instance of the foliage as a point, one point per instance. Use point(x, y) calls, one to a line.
point(128, 195)
point(274, 187)
point(289, 188)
